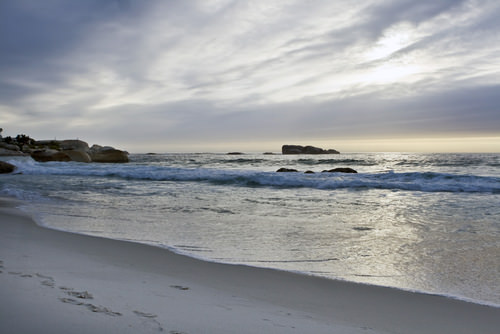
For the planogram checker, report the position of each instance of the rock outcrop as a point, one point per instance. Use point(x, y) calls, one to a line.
point(107, 154)
point(59, 150)
point(79, 156)
point(49, 155)
point(6, 152)
point(5, 167)
point(298, 149)
point(74, 144)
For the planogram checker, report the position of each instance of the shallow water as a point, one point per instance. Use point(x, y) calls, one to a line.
point(423, 222)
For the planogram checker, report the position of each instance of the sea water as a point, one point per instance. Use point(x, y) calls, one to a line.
point(419, 222)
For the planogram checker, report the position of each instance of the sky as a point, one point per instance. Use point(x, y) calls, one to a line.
point(221, 75)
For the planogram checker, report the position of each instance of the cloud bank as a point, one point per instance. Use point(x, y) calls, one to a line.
point(178, 73)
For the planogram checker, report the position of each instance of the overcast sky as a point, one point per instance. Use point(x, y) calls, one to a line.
point(222, 75)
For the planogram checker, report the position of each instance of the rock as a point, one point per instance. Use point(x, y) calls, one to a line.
point(107, 154)
point(234, 153)
point(52, 144)
point(49, 155)
point(74, 144)
point(297, 149)
point(11, 147)
point(5, 167)
point(78, 156)
point(308, 172)
point(286, 170)
point(340, 170)
point(268, 153)
point(6, 152)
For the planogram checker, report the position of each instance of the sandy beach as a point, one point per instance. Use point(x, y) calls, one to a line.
point(58, 282)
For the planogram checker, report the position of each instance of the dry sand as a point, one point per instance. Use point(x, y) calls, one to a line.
point(57, 282)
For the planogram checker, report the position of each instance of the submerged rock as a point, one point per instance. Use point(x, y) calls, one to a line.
point(340, 170)
point(286, 170)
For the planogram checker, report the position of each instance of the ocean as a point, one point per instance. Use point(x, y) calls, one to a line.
point(419, 222)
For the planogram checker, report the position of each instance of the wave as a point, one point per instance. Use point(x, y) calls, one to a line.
point(329, 162)
point(410, 181)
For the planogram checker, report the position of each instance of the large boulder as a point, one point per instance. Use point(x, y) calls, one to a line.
point(298, 149)
point(5, 167)
point(107, 154)
point(49, 155)
point(78, 156)
point(74, 144)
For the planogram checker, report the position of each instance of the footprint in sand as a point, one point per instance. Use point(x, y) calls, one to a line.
point(48, 283)
point(145, 315)
point(44, 276)
point(91, 307)
point(102, 309)
point(15, 273)
point(150, 317)
point(70, 301)
point(81, 295)
point(85, 295)
point(47, 280)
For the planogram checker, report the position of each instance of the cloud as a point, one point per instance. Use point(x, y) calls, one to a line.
point(213, 70)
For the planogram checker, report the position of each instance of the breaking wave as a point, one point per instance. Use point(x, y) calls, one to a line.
point(409, 181)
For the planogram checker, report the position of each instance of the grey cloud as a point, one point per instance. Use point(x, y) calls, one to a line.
point(48, 46)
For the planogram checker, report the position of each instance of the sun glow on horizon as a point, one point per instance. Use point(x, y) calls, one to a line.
point(422, 145)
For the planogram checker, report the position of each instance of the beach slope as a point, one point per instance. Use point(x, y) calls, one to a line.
point(58, 282)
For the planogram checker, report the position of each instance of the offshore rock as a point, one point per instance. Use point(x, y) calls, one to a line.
point(298, 149)
point(340, 170)
point(107, 154)
point(286, 170)
point(5, 167)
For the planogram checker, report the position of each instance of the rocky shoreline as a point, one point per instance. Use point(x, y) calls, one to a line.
point(60, 150)
point(79, 151)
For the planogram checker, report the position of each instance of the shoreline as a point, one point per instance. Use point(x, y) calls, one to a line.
point(180, 252)
point(63, 282)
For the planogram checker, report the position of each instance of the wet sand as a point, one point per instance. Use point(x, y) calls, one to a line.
point(58, 282)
